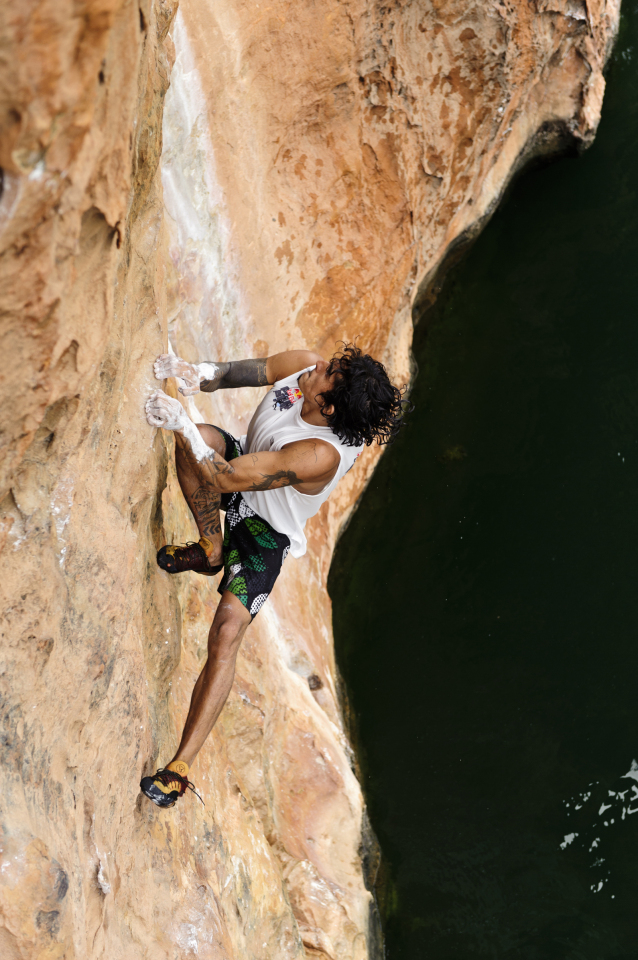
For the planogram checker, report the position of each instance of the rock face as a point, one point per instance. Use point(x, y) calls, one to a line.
point(303, 179)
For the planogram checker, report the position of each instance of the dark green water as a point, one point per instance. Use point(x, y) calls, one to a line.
point(485, 604)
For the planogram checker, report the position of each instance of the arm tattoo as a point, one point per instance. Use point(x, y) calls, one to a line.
point(210, 467)
point(246, 373)
point(208, 386)
point(205, 504)
point(282, 478)
point(238, 373)
point(217, 463)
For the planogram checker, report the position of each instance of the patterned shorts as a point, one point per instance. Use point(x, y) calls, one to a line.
point(253, 550)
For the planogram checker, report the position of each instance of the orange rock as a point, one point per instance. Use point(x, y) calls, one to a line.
point(303, 180)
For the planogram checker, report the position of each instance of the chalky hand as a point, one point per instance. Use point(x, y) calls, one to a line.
point(164, 411)
point(186, 373)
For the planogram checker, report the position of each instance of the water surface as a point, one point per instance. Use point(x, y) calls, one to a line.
point(485, 592)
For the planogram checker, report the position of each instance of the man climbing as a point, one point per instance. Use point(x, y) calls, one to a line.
point(304, 436)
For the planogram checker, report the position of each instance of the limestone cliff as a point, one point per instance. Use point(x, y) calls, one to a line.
point(301, 180)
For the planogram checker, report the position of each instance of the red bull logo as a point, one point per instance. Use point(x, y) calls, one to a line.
point(285, 397)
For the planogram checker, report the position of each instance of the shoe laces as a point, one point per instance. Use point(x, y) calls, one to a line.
point(190, 543)
point(196, 543)
point(167, 776)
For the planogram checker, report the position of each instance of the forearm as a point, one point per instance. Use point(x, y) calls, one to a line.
point(236, 373)
point(306, 461)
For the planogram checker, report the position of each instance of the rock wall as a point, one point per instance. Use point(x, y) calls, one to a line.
point(303, 180)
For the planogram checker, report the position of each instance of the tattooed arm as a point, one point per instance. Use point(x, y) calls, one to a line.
point(223, 375)
point(236, 373)
point(209, 376)
point(308, 465)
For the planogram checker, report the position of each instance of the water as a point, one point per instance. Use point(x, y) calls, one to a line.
point(485, 592)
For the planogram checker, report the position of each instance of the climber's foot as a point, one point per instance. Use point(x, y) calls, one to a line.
point(167, 786)
point(191, 556)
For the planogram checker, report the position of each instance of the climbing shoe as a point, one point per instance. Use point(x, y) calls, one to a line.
point(191, 556)
point(166, 787)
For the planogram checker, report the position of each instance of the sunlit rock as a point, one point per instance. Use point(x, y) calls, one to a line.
point(302, 180)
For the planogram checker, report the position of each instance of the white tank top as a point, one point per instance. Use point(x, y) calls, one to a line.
point(276, 422)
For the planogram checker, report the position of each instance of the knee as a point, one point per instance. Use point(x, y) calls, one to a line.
point(212, 437)
point(225, 637)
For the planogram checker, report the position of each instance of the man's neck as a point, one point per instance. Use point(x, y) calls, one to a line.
point(312, 415)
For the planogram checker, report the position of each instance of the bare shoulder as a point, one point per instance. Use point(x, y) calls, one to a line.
point(282, 365)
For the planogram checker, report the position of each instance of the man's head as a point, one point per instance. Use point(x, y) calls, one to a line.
point(357, 399)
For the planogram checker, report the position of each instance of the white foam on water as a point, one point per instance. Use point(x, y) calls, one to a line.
point(569, 838)
point(589, 825)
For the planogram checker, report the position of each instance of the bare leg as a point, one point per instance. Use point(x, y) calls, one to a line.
point(199, 456)
point(197, 469)
point(214, 682)
point(202, 499)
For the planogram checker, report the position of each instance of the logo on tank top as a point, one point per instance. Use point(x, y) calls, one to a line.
point(354, 461)
point(285, 397)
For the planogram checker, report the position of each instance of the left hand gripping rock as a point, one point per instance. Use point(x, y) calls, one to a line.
point(163, 411)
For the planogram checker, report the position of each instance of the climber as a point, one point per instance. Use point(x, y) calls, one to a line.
point(306, 433)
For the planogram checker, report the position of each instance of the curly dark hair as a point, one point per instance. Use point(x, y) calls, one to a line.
point(367, 406)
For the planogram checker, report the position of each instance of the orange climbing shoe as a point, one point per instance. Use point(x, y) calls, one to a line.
point(191, 556)
point(166, 787)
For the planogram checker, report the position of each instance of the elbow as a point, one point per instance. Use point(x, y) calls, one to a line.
point(224, 481)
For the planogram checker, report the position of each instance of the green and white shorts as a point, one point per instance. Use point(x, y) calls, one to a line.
point(253, 550)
